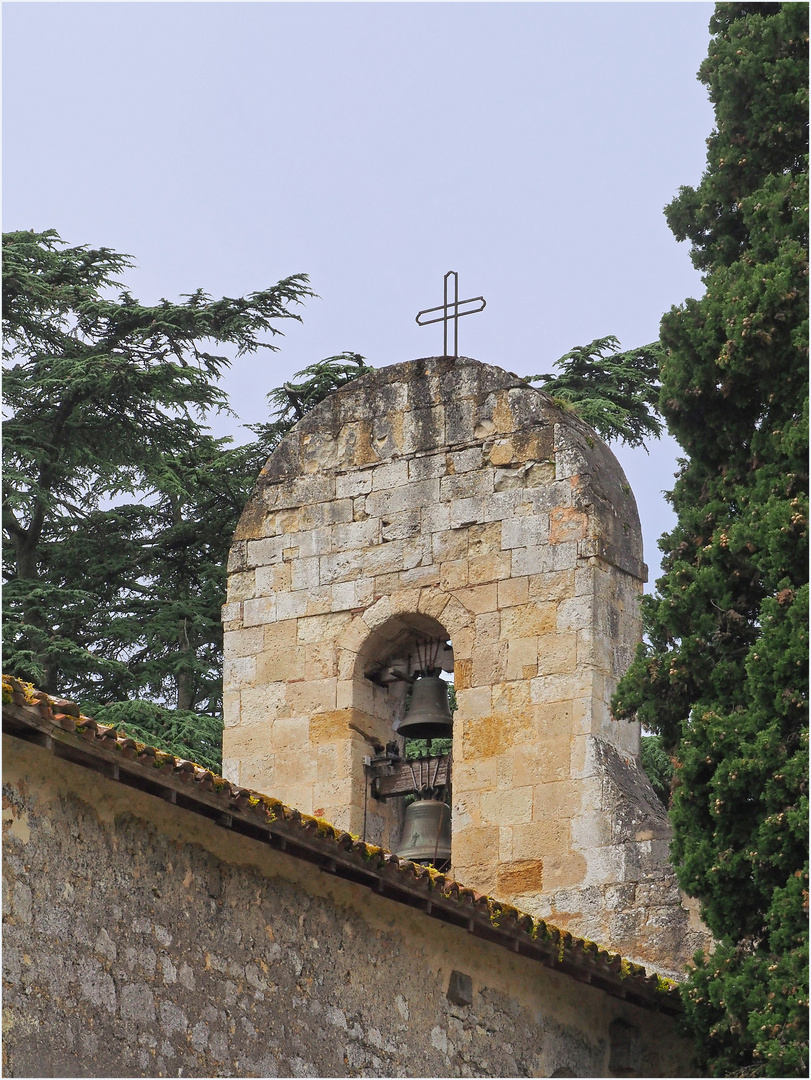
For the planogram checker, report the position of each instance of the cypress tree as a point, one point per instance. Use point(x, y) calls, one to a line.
point(724, 675)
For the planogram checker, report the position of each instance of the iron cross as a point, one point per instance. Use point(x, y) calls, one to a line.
point(451, 313)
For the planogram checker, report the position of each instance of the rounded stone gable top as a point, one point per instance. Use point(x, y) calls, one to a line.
point(391, 421)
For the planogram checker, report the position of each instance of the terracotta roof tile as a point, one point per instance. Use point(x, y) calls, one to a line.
point(59, 724)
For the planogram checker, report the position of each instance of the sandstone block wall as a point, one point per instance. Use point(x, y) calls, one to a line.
point(449, 499)
point(143, 940)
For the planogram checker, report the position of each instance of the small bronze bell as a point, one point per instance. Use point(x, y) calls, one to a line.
point(426, 832)
point(429, 716)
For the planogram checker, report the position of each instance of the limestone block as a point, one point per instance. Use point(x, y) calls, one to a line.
point(463, 461)
point(526, 532)
point(241, 586)
point(244, 643)
point(475, 845)
point(453, 575)
point(514, 805)
point(575, 613)
point(605, 863)
point(555, 799)
point(350, 595)
point(540, 839)
point(501, 452)
point(475, 775)
point(385, 559)
point(237, 557)
point(265, 552)
point(512, 698)
point(465, 485)
point(591, 830)
point(566, 524)
point(522, 658)
point(566, 686)
point(425, 430)
point(319, 600)
point(273, 579)
point(290, 733)
point(509, 477)
point(239, 671)
point(555, 585)
point(329, 727)
point(232, 615)
point(320, 660)
point(501, 505)
point(528, 620)
point(304, 573)
point(340, 566)
point(291, 605)
point(260, 705)
point(407, 497)
point(505, 768)
point(400, 526)
point(280, 664)
point(427, 466)
point(484, 540)
point(568, 869)
point(260, 611)
point(418, 576)
point(513, 592)
point(387, 435)
point(436, 518)
point(505, 844)
point(481, 599)
point(488, 665)
point(352, 483)
point(314, 695)
point(543, 559)
point(559, 653)
point(520, 877)
point(483, 737)
point(417, 552)
point(462, 672)
point(543, 761)
point(489, 568)
point(460, 422)
point(391, 475)
point(465, 512)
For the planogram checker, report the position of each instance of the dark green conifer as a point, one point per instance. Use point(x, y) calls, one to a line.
point(724, 678)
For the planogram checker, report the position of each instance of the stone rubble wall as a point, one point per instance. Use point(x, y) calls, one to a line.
point(143, 940)
point(452, 499)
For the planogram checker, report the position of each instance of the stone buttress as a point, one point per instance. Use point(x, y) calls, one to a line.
point(449, 499)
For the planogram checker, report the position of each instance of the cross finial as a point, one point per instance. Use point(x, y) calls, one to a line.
point(451, 313)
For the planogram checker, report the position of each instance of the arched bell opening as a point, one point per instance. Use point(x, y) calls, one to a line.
point(408, 661)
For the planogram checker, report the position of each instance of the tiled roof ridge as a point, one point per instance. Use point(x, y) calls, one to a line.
point(297, 833)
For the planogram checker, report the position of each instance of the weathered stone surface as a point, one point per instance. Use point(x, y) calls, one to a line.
point(143, 940)
point(450, 499)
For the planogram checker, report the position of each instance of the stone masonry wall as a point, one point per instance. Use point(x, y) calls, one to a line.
point(450, 499)
point(143, 940)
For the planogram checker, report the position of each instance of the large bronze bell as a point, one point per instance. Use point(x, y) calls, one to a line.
point(426, 832)
point(429, 716)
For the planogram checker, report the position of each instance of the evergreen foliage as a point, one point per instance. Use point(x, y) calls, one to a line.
point(106, 598)
point(657, 766)
point(617, 393)
point(292, 401)
point(177, 731)
point(724, 679)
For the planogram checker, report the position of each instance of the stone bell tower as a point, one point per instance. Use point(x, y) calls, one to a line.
point(446, 500)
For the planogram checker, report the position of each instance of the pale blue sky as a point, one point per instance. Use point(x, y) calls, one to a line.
point(529, 146)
